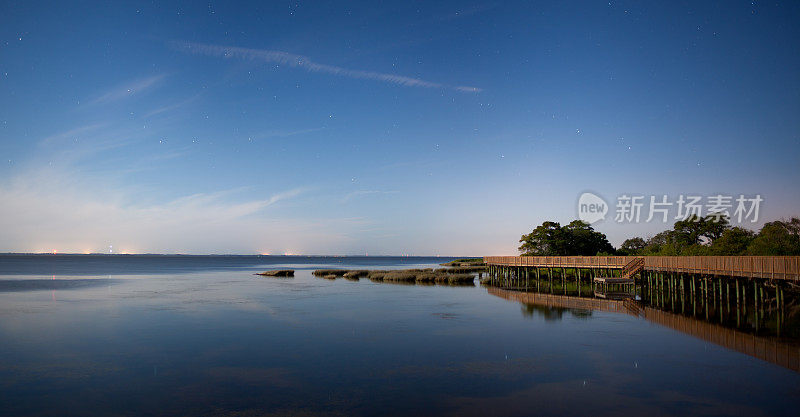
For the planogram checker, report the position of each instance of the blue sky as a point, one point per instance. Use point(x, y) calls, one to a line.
point(384, 128)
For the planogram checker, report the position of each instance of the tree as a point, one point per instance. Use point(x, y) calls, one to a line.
point(687, 232)
point(714, 227)
point(632, 246)
point(777, 238)
point(576, 238)
point(691, 237)
point(694, 236)
point(584, 240)
point(663, 244)
point(733, 241)
point(548, 239)
point(695, 230)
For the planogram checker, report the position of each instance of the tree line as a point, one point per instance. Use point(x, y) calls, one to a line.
point(694, 236)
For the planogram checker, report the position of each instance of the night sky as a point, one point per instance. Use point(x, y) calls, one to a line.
point(402, 127)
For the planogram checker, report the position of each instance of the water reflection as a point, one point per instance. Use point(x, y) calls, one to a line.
point(757, 306)
point(226, 342)
point(552, 313)
point(781, 351)
point(10, 285)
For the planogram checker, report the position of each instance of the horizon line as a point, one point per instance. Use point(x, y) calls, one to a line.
point(238, 254)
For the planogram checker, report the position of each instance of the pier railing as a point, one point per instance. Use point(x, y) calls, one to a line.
point(770, 267)
point(767, 267)
point(560, 261)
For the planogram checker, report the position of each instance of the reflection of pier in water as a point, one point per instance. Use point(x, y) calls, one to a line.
point(754, 294)
point(769, 349)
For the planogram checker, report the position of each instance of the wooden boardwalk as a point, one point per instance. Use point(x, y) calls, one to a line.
point(766, 267)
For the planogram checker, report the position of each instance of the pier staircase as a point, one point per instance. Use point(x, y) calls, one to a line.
point(633, 267)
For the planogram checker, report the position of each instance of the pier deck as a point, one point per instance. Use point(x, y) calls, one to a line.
point(765, 267)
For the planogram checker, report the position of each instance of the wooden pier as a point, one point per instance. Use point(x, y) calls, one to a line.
point(785, 268)
point(760, 282)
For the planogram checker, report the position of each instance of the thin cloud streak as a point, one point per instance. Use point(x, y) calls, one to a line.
point(171, 107)
point(359, 193)
point(300, 61)
point(72, 134)
point(127, 90)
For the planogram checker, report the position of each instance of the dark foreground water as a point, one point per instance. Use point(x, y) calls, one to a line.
point(103, 335)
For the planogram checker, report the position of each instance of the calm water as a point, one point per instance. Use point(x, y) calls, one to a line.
point(100, 335)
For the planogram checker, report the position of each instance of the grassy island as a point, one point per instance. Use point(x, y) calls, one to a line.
point(450, 276)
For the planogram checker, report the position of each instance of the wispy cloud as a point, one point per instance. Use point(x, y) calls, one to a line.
point(170, 107)
point(71, 134)
point(93, 214)
point(284, 196)
point(217, 206)
point(359, 193)
point(55, 201)
point(306, 63)
point(128, 89)
point(85, 143)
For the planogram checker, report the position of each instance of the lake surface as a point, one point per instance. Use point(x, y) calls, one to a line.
point(165, 335)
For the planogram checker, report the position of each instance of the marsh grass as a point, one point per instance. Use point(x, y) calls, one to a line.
point(465, 262)
point(426, 276)
point(335, 272)
point(460, 278)
point(405, 276)
point(462, 269)
point(284, 273)
point(376, 275)
point(357, 273)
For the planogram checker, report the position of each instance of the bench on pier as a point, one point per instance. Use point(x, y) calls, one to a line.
point(611, 286)
point(613, 280)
